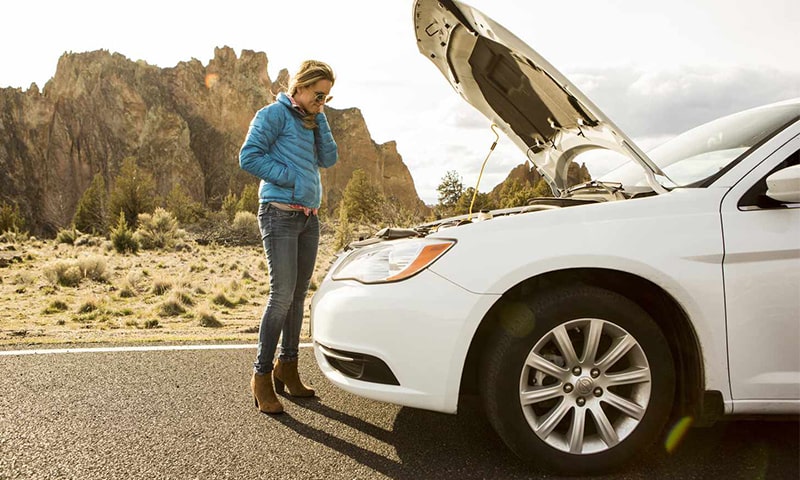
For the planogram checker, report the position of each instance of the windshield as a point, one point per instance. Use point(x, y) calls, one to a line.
point(700, 153)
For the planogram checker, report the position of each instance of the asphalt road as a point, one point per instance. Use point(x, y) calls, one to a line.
point(189, 414)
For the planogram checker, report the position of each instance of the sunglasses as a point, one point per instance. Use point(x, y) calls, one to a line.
point(322, 97)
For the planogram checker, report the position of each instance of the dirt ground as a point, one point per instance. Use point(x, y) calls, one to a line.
point(199, 293)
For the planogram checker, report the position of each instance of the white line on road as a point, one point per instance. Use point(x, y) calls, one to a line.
point(155, 348)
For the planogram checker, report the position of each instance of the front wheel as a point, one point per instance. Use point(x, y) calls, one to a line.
point(579, 378)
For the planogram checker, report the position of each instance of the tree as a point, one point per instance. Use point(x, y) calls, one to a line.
point(450, 189)
point(542, 189)
point(181, 205)
point(134, 192)
point(10, 218)
point(394, 213)
point(344, 230)
point(515, 193)
point(91, 214)
point(482, 202)
point(361, 199)
point(123, 238)
point(249, 199)
point(229, 205)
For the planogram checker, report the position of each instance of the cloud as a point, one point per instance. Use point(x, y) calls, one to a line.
point(461, 114)
point(444, 133)
point(668, 102)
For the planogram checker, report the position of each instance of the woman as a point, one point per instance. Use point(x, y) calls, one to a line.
point(286, 144)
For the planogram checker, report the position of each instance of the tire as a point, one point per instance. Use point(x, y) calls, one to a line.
point(578, 379)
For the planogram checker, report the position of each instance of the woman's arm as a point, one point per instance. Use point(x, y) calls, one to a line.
point(255, 155)
point(327, 150)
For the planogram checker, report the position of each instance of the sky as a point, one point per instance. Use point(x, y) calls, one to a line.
point(656, 68)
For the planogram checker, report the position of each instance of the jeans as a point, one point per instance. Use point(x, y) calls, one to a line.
point(290, 241)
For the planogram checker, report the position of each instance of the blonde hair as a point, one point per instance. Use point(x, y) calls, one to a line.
point(310, 72)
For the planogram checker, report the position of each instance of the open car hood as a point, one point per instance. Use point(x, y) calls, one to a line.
point(544, 114)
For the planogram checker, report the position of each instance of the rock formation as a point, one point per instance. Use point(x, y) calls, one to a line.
point(530, 177)
point(183, 124)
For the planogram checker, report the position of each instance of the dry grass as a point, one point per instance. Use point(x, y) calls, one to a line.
point(56, 293)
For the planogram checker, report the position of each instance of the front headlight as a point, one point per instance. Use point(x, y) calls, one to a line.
point(391, 261)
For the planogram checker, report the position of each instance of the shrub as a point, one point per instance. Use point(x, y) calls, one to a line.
point(151, 324)
point(130, 286)
point(245, 228)
point(55, 307)
point(23, 278)
point(126, 292)
point(122, 237)
point(159, 230)
point(207, 319)
point(218, 228)
point(161, 286)
point(13, 236)
point(197, 267)
point(85, 240)
point(181, 245)
point(64, 273)
point(88, 307)
point(185, 298)
point(93, 267)
point(171, 308)
point(221, 299)
point(67, 235)
point(88, 317)
point(70, 273)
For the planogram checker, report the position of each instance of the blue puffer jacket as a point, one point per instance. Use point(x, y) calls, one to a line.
point(286, 156)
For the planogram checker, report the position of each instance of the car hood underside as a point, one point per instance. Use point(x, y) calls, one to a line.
point(546, 116)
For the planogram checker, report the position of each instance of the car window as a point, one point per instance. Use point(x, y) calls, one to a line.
point(706, 151)
point(756, 197)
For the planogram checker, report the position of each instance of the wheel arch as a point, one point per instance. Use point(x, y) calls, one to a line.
point(660, 305)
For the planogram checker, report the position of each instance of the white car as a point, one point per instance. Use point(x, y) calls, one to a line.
point(591, 322)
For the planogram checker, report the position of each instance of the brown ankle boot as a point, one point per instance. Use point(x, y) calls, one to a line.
point(264, 394)
point(285, 373)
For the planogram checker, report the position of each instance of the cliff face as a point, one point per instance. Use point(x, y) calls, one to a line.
point(529, 177)
point(385, 166)
point(183, 124)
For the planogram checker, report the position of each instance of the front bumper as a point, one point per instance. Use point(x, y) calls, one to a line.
point(419, 330)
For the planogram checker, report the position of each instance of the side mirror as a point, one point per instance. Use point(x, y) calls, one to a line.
point(784, 185)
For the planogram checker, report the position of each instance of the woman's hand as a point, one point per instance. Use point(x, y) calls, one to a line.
point(321, 105)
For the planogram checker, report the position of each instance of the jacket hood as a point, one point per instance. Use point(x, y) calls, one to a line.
point(541, 111)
